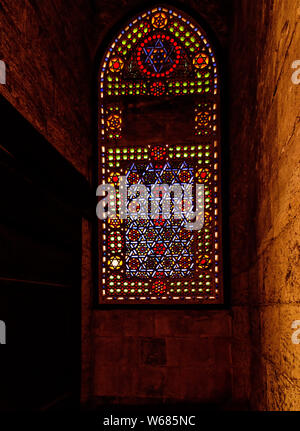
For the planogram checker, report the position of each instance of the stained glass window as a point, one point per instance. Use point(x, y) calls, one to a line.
point(159, 125)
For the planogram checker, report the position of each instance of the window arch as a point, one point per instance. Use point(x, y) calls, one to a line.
point(159, 123)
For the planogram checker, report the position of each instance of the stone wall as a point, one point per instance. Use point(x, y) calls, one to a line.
point(46, 48)
point(136, 356)
point(265, 195)
point(152, 356)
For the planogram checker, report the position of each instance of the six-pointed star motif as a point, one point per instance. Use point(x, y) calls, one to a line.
point(158, 56)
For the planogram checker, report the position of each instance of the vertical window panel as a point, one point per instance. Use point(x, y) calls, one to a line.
point(159, 124)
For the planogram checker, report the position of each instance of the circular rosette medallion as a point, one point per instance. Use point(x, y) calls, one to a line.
point(159, 287)
point(203, 119)
point(114, 178)
point(116, 64)
point(157, 88)
point(201, 61)
point(204, 261)
point(158, 55)
point(159, 20)
point(114, 121)
point(203, 175)
point(115, 263)
point(158, 152)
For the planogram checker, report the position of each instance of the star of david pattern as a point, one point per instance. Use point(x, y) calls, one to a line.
point(159, 248)
point(159, 56)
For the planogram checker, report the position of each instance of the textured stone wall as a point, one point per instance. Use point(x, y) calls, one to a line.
point(265, 196)
point(46, 48)
point(148, 356)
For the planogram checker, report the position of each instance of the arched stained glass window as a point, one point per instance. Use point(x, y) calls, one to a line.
point(159, 124)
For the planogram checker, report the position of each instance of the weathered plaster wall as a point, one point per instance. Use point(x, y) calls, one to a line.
point(265, 194)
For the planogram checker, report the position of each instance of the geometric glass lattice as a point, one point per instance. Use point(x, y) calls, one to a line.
point(160, 53)
point(159, 248)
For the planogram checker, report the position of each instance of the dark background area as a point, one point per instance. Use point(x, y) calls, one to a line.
point(42, 200)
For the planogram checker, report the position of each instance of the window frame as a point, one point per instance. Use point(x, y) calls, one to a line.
point(223, 171)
